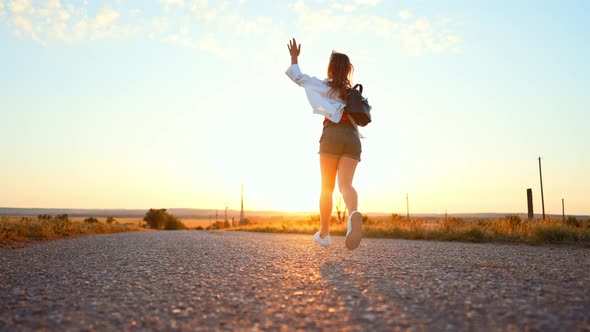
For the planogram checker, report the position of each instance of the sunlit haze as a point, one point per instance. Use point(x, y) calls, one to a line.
point(173, 103)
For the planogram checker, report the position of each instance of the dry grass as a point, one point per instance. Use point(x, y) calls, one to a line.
point(510, 229)
point(14, 229)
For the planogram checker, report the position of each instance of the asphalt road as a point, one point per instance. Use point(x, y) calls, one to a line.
point(199, 280)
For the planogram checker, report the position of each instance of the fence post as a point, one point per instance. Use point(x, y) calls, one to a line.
point(529, 199)
point(562, 210)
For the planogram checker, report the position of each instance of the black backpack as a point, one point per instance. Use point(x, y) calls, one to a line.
point(357, 107)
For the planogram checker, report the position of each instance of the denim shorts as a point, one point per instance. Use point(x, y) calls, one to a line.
point(340, 140)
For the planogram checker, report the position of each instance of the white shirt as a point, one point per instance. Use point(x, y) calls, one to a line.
point(317, 94)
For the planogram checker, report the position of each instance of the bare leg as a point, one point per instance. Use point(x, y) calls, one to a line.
point(346, 169)
point(329, 168)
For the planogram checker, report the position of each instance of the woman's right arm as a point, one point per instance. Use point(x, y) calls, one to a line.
point(294, 72)
point(294, 51)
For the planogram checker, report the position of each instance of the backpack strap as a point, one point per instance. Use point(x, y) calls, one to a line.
point(361, 88)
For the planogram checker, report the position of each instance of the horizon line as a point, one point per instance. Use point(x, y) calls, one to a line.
point(288, 211)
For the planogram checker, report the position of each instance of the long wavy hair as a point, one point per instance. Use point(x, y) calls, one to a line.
point(339, 71)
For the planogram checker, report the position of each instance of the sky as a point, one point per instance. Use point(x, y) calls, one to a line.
point(175, 103)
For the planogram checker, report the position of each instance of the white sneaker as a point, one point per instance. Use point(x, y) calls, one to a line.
point(354, 233)
point(322, 241)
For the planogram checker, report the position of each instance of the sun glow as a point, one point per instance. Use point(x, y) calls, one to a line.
point(178, 105)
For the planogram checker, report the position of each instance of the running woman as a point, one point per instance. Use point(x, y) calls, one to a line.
point(340, 144)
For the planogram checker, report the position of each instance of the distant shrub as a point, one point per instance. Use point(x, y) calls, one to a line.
point(173, 223)
point(199, 228)
point(110, 220)
point(91, 220)
point(160, 219)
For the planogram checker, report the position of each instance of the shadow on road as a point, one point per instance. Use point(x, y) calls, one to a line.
point(352, 289)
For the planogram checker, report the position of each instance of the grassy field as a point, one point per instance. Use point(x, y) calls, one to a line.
point(18, 229)
point(26, 228)
point(510, 229)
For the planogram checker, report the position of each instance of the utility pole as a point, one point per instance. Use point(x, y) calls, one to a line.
point(542, 197)
point(562, 210)
point(407, 207)
point(242, 205)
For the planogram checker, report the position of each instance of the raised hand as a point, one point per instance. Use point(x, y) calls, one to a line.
point(294, 50)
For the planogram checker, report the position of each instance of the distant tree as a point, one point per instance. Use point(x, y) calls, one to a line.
point(155, 218)
point(45, 217)
point(160, 219)
point(110, 220)
point(91, 220)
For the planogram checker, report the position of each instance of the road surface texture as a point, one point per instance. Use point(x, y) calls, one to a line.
point(199, 280)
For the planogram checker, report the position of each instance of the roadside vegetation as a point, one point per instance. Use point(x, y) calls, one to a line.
point(45, 227)
point(511, 229)
point(16, 229)
point(160, 219)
